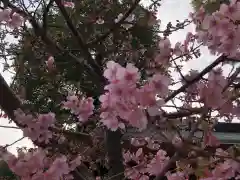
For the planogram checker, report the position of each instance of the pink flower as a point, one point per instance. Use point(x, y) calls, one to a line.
point(176, 176)
point(110, 120)
point(212, 92)
point(210, 139)
point(75, 163)
point(137, 118)
point(198, 16)
point(154, 110)
point(179, 49)
point(232, 10)
point(59, 167)
point(137, 142)
point(15, 21)
point(5, 15)
point(165, 52)
point(36, 128)
point(68, 4)
point(160, 83)
point(83, 108)
point(164, 44)
point(71, 103)
point(46, 120)
point(226, 170)
point(157, 163)
point(177, 141)
point(146, 95)
point(86, 108)
point(111, 71)
point(129, 74)
point(50, 63)
point(138, 171)
point(211, 23)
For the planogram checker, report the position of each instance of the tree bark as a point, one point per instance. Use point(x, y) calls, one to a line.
point(114, 149)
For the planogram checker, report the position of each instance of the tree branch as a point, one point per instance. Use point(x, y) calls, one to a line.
point(9, 103)
point(74, 31)
point(116, 25)
point(197, 78)
point(45, 15)
point(52, 46)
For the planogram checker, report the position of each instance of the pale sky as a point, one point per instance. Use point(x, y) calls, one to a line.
point(171, 10)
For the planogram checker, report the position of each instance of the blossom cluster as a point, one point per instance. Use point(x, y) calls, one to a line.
point(82, 108)
point(126, 101)
point(226, 169)
point(129, 100)
point(220, 30)
point(36, 165)
point(166, 51)
point(12, 19)
point(36, 128)
point(140, 166)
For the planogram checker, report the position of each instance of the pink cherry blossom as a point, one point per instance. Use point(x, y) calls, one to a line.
point(210, 139)
point(211, 93)
point(176, 176)
point(137, 142)
point(137, 118)
point(83, 108)
point(157, 163)
point(232, 10)
point(138, 171)
point(111, 71)
point(68, 4)
point(5, 15)
point(177, 141)
point(129, 74)
point(179, 49)
point(161, 84)
point(15, 21)
point(165, 52)
point(50, 63)
point(36, 128)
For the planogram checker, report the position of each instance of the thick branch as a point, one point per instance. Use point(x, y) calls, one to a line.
point(78, 36)
point(114, 150)
point(9, 103)
point(45, 15)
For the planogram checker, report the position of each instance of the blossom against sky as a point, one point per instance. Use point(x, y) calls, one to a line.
point(170, 11)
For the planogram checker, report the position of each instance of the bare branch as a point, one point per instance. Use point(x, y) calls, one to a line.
point(78, 36)
point(116, 25)
point(198, 77)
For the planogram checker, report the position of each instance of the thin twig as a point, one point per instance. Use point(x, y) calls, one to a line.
point(10, 127)
point(198, 77)
point(8, 145)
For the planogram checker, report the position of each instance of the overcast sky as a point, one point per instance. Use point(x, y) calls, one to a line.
point(171, 10)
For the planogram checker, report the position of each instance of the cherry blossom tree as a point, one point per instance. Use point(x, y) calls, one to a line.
point(142, 110)
point(209, 5)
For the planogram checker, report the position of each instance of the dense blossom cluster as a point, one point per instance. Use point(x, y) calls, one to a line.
point(130, 99)
point(125, 102)
point(220, 30)
point(82, 108)
point(12, 19)
point(36, 128)
point(141, 166)
point(35, 165)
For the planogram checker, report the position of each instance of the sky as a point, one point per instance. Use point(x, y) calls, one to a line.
point(170, 11)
